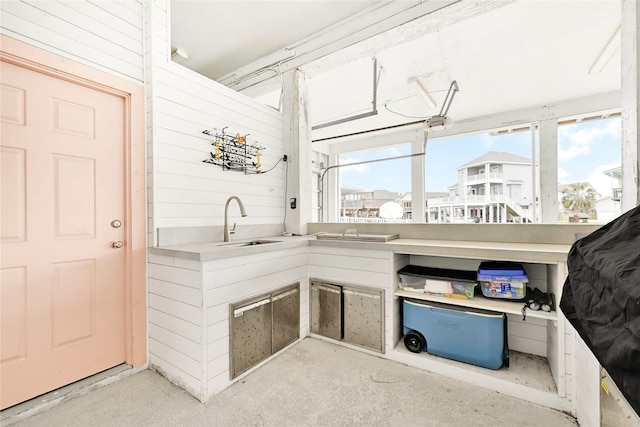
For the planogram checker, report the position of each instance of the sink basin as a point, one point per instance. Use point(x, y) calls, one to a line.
point(250, 243)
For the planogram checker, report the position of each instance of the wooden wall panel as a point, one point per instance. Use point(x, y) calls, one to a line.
point(105, 35)
point(184, 191)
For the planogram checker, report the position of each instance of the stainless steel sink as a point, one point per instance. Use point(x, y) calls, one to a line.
point(250, 243)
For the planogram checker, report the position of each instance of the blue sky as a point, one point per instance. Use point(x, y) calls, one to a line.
point(585, 150)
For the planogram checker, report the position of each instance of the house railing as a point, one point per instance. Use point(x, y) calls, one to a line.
point(616, 195)
point(364, 203)
point(479, 199)
point(483, 177)
point(372, 220)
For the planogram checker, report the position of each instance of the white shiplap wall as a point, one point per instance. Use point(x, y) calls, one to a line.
point(107, 35)
point(176, 321)
point(231, 280)
point(189, 311)
point(184, 190)
point(358, 267)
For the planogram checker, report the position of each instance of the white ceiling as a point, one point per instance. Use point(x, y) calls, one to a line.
point(222, 36)
point(504, 55)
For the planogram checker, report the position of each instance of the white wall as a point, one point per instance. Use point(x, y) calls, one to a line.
point(106, 35)
point(189, 311)
point(184, 191)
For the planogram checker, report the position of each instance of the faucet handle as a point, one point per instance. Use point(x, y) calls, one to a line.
point(233, 230)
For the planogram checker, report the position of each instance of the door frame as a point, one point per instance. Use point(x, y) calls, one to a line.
point(33, 58)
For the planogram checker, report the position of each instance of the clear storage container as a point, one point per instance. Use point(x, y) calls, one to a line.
point(504, 280)
point(438, 281)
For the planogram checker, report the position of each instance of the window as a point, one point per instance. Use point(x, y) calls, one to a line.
point(490, 178)
point(589, 176)
point(375, 192)
point(461, 165)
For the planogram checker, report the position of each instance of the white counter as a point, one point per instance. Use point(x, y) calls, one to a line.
point(521, 252)
point(219, 250)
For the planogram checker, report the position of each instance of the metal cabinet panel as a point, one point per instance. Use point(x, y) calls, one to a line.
point(250, 339)
point(286, 318)
point(326, 310)
point(364, 317)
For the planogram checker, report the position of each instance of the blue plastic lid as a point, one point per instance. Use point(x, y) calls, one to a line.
point(510, 273)
point(501, 268)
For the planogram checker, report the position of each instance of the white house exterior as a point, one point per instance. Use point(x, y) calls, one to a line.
point(495, 187)
point(610, 208)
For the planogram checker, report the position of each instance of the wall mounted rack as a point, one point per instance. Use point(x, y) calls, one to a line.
point(233, 152)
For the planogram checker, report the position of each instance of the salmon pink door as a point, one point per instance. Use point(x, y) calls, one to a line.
point(62, 265)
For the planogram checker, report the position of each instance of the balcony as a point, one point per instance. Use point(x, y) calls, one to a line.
point(483, 177)
point(616, 194)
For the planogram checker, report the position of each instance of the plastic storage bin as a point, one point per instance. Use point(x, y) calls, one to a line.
point(504, 280)
point(438, 281)
point(467, 335)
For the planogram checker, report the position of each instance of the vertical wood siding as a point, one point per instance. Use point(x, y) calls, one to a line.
point(107, 35)
point(587, 379)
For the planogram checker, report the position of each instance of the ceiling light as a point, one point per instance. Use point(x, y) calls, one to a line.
point(441, 121)
point(179, 52)
point(423, 91)
point(438, 122)
point(607, 53)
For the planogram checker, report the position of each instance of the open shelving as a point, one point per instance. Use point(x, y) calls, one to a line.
point(509, 307)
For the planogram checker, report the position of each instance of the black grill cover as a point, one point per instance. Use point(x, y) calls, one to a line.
point(601, 299)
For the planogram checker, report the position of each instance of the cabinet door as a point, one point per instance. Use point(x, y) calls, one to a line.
point(326, 310)
point(250, 334)
point(286, 318)
point(363, 317)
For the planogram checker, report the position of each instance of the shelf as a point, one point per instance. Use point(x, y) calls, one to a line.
point(509, 307)
point(528, 374)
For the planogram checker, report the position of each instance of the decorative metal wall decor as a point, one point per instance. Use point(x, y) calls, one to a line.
point(233, 152)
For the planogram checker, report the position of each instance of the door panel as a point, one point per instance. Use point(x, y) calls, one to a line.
point(285, 327)
point(14, 314)
point(73, 301)
point(13, 209)
point(63, 300)
point(73, 196)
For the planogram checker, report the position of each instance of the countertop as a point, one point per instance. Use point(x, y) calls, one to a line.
point(220, 250)
point(522, 252)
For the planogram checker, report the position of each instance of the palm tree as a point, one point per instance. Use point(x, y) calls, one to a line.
point(579, 197)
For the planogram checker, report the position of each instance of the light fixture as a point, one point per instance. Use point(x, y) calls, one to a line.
point(438, 122)
point(179, 52)
point(423, 91)
point(441, 121)
point(607, 53)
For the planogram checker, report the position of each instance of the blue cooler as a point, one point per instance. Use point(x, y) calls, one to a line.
point(464, 334)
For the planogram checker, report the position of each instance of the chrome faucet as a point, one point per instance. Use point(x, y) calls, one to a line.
point(226, 208)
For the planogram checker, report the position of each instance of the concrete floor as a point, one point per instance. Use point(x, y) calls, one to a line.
point(313, 383)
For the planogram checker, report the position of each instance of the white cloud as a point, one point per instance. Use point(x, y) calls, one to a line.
point(487, 141)
point(353, 168)
point(391, 152)
point(577, 142)
point(600, 181)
